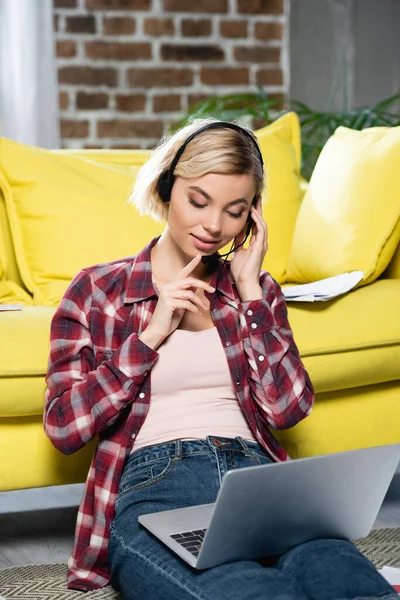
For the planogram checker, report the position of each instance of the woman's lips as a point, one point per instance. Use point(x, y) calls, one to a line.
point(203, 245)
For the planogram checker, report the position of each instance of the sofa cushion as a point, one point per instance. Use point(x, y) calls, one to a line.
point(342, 345)
point(353, 340)
point(2, 255)
point(346, 420)
point(4, 235)
point(280, 144)
point(11, 293)
point(350, 215)
point(393, 270)
point(24, 352)
point(126, 162)
point(66, 213)
point(10, 290)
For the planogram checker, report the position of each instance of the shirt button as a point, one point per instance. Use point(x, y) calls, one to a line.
point(141, 395)
point(238, 383)
point(228, 343)
point(249, 312)
point(261, 358)
point(133, 436)
point(253, 325)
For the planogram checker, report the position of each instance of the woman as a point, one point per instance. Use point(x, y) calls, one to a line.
point(182, 363)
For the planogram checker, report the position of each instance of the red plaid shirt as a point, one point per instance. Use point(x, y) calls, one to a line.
point(99, 380)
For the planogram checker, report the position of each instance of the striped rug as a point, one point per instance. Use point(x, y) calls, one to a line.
point(48, 582)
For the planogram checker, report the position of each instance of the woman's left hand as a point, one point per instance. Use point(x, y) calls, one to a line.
point(247, 262)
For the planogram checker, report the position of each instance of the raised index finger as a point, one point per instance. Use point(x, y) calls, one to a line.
point(189, 267)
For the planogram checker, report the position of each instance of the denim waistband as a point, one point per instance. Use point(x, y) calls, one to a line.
point(181, 448)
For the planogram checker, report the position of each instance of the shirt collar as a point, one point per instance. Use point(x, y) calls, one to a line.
point(141, 284)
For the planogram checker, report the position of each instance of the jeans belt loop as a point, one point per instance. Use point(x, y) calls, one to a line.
point(245, 447)
point(178, 448)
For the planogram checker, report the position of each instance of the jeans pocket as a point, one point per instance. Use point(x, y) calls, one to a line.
point(145, 474)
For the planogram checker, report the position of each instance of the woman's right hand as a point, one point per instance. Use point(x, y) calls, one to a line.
point(176, 297)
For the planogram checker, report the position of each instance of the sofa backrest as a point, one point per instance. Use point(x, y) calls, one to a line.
point(11, 267)
point(127, 163)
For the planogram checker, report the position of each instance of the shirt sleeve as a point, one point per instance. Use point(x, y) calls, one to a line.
point(82, 398)
point(279, 382)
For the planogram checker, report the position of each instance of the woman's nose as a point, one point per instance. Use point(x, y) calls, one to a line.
point(213, 224)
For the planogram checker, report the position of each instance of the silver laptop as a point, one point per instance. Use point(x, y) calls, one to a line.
point(268, 509)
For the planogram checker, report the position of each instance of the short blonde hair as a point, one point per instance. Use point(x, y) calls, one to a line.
point(220, 150)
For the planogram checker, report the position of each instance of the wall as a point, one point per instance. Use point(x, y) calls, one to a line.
point(344, 53)
point(128, 68)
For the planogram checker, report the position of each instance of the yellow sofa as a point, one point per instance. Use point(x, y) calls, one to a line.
point(349, 345)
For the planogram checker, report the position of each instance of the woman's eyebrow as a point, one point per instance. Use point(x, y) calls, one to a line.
point(195, 188)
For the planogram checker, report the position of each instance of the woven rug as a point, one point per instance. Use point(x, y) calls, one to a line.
point(48, 582)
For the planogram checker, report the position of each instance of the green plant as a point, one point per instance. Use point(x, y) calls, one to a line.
point(316, 126)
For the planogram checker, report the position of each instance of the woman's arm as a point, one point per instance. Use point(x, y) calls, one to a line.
point(82, 399)
point(279, 383)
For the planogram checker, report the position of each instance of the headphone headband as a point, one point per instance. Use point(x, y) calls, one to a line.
point(166, 180)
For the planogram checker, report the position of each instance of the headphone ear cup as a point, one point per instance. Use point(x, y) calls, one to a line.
point(164, 187)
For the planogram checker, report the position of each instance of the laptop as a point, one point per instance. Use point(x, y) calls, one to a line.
point(268, 509)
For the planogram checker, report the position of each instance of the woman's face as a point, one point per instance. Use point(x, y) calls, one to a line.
point(213, 208)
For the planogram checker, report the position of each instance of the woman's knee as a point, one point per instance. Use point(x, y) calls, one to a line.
point(135, 576)
point(317, 551)
point(329, 569)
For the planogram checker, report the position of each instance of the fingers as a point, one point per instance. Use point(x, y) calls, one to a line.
point(189, 267)
point(260, 231)
point(256, 215)
point(192, 281)
point(189, 295)
point(187, 305)
point(183, 276)
point(183, 279)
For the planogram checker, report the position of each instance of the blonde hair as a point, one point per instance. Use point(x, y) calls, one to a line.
point(221, 150)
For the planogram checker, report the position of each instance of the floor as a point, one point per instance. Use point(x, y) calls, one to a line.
point(37, 525)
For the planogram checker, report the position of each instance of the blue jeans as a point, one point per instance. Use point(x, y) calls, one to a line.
point(186, 473)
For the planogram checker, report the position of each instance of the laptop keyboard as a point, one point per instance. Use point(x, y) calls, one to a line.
point(191, 540)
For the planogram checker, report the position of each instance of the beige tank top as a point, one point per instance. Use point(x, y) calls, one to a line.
point(192, 394)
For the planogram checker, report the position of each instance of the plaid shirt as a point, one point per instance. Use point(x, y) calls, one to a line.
point(99, 380)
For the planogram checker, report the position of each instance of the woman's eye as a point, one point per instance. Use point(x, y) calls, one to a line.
point(195, 204)
point(234, 215)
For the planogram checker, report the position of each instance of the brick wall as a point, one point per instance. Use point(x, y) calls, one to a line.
point(127, 68)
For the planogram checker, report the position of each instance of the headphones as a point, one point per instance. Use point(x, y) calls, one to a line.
point(167, 179)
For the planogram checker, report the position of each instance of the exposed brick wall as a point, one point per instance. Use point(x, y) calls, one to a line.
point(128, 68)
